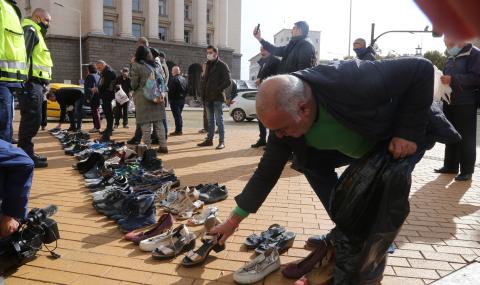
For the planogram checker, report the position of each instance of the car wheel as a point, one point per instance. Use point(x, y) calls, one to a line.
point(249, 119)
point(238, 115)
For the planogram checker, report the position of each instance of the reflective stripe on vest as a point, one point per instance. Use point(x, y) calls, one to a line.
point(41, 60)
point(13, 56)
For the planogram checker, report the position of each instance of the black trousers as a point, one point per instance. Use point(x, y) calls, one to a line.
point(108, 112)
point(205, 117)
point(30, 101)
point(263, 132)
point(44, 114)
point(121, 111)
point(463, 153)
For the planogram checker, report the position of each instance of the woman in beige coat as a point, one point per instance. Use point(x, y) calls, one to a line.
point(148, 113)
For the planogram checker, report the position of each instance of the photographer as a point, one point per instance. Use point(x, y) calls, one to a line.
point(16, 172)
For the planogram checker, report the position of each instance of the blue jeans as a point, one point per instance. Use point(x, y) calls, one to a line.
point(215, 117)
point(177, 107)
point(6, 114)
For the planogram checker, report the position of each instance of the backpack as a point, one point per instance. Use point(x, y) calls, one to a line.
point(153, 91)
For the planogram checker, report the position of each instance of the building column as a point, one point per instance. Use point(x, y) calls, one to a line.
point(152, 19)
point(200, 27)
point(178, 20)
point(222, 26)
point(95, 16)
point(125, 18)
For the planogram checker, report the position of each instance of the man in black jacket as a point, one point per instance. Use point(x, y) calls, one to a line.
point(106, 90)
point(121, 110)
point(177, 90)
point(363, 52)
point(462, 73)
point(214, 82)
point(329, 116)
point(269, 65)
point(298, 54)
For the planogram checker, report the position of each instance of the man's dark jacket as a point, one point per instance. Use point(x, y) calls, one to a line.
point(91, 81)
point(465, 72)
point(377, 99)
point(298, 54)
point(106, 85)
point(215, 81)
point(177, 87)
point(268, 67)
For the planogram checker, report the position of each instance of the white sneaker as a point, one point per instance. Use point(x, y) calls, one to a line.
point(259, 268)
point(152, 243)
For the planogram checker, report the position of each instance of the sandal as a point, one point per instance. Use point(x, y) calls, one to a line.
point(178, 243)
point(254, 240)
point(282, 242)
point(150, 244)
point(200, 219)
point(210, 242)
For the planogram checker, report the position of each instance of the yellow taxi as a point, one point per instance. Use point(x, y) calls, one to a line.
point(53, 108)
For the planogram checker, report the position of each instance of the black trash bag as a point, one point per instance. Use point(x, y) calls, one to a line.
point(369, 205)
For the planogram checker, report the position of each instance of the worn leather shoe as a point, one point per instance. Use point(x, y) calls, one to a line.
point(445, 170)
point(176, 133)
point(40, 163)
point(205, 143)
point(220, 145)
point(40, 158)
point(464, 177)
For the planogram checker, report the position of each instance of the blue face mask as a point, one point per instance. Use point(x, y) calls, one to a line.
point(360, 51)
point(454, 51)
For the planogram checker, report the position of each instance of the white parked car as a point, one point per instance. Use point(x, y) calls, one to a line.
point(242, 107)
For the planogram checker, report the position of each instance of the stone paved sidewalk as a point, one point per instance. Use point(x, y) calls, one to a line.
point(441, 234)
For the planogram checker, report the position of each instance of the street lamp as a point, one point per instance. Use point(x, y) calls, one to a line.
point(373, 39)
point(79, 35)
point(418, 51)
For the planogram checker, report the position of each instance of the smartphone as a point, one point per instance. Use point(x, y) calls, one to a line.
point(257, 29)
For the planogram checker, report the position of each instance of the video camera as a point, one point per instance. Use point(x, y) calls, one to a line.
point(34, 231)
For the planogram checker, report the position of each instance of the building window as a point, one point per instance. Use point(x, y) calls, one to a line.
point(108, 3)
point(187, 12)
point(209, 15)
point(108, 27)
point(186, 36)
point(136, 30)
point(209, 38)
point(136, 5)
point(162, 33)
point(162, 7)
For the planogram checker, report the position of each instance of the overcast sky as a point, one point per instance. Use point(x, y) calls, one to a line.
point(331, 18)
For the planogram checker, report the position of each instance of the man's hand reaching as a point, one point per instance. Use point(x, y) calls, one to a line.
point(401, 148)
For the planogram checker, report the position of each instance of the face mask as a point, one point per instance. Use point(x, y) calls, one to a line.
point(43, 26)
point(359, 51)
point(454, 51)
point(210, 57)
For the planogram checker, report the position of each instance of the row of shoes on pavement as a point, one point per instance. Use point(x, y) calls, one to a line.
point(166, 243)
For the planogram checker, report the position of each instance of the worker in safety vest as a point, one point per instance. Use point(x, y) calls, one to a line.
point(39, 75)
point(13, 67)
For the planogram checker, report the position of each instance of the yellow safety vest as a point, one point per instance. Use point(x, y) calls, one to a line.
point(41, 60)
point(13, 57)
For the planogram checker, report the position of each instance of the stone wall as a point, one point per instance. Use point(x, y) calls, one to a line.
point(117, 52)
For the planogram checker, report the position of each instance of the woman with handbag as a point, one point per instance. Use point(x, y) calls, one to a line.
point(149, 97)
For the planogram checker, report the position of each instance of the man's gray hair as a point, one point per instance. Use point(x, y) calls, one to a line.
point(100, 61)
point(290, 91)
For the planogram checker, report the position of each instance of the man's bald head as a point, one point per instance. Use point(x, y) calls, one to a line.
point(285, 105)
point(40, 15)
point(281, 92)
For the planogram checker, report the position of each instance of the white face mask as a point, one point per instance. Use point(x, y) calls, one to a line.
point(210, 57)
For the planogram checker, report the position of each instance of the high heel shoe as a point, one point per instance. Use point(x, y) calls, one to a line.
point(210, 242)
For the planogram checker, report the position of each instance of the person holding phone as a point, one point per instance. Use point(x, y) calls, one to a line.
point(298, 54)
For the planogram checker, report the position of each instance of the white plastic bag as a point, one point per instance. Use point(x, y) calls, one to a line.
point(121, 97)
point(441, 92)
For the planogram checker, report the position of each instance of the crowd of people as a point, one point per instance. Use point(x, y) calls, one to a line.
point(321, 117)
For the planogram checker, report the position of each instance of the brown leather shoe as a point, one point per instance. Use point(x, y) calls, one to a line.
point(322, 254)
point(162, 150)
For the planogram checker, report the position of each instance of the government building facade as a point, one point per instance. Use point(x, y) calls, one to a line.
point(109, 29)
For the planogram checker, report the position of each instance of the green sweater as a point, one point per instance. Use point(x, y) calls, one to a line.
point(329, 134)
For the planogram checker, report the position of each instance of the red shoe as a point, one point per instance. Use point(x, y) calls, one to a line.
point(165, 222)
